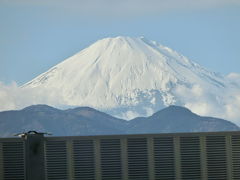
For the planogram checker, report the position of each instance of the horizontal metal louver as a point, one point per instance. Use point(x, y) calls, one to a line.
point(137, 159)
point(111, 159)
point(216, 157)
point(56, 160)
point(236, 157)
point(164, 158)
point(13, 160)
point(84, 164)
point(190, 158)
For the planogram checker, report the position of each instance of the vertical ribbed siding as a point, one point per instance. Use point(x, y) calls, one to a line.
point(216, 157)
point(111, 159)
point(129, 158)
point(84, 164)
point(236, 157)
point(1, 161)
point(137, 159)
point(190, 158)
point(164, 158)
point(56, 160)
point(13, 160)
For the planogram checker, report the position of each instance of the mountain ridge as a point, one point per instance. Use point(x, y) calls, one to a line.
point(88, 121)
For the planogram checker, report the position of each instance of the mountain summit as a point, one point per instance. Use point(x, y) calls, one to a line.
point(126, 77)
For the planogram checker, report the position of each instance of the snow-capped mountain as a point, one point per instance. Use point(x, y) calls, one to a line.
point(128, 77)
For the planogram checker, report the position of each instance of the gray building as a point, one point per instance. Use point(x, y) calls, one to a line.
point(190, 156)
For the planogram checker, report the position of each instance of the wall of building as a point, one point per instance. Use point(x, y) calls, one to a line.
point(130, 157)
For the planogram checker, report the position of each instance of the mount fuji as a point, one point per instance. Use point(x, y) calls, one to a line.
point(129, 77)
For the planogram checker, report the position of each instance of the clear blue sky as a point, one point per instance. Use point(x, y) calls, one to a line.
point(35, 35)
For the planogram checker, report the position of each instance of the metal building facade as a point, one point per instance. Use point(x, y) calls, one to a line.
point(186, 156)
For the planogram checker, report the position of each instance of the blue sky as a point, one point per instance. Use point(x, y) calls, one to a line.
point(35, 35)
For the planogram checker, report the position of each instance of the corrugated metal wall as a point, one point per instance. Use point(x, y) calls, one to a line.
point(186, 156)
point(12, 155)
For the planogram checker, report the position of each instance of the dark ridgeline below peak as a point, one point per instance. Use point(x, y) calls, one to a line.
point(40, 107)
point(170, 111)
point(89, 121)
point(84, 110)
point(174, 109)
point(91, 113)
point(179, 119)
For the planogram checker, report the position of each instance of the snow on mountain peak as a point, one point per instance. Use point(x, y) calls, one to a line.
point(126, 77)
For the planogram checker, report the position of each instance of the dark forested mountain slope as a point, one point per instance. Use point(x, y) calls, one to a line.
point(88, 121)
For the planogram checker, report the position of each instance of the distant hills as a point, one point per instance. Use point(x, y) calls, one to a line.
point(88, 121)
